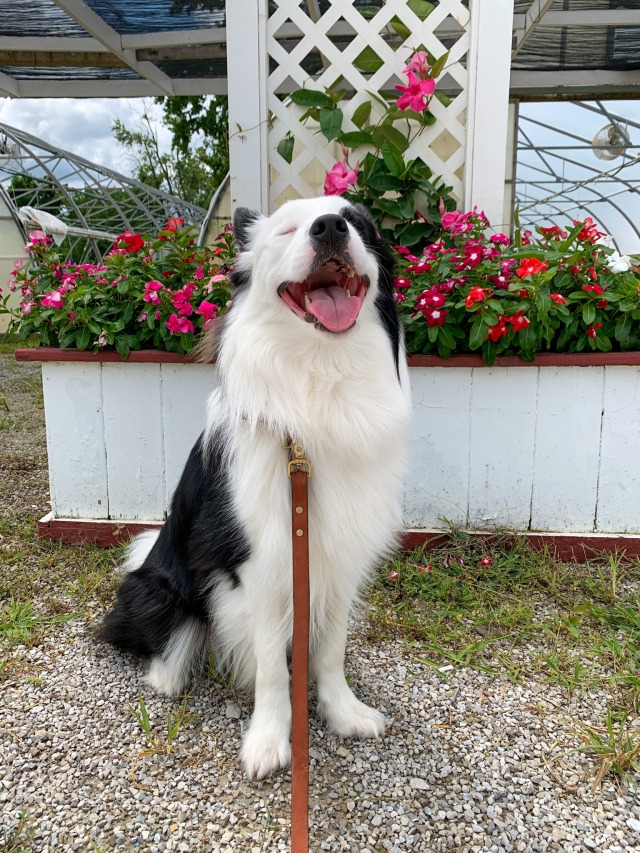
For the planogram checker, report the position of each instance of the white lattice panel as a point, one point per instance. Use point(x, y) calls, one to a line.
point(299, 33)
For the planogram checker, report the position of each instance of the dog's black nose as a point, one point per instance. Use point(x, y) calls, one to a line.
point(329, 228)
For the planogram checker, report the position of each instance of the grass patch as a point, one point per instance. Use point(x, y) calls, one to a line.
point(502, 606)
point(10, 342)
point(18, 840)
point(20, 625)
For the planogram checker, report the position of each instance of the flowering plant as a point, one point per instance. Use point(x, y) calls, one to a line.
point(401, 194)
point(160, 292)
point(563, 291)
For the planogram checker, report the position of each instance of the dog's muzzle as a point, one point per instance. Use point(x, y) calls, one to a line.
point(331, 296)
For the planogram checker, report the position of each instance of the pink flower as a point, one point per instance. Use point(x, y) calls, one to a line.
point(102, 340)
point(430, 299)
point(419, 64)
point(179, 325)
point(151, 292)
point(436, 317)
point(417, 94)
point(37, 238)
point(340, 178)
point(52, 300)
point(457, 222)
point(402, 282)
point(500, 238)
point(199, 273)
point(27, 306)
point(181, 299)
point(208, 311)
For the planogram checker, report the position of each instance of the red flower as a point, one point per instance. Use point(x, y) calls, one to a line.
point(553, 232)
point(593, 288)
point(393, 576)
point(132, 242)
point(174, 223)
point(531, 266)
point(426, 568)
point(592, 331)
point(430, 299)
point(603, 303)
point(435, 316)
point(519, 321)
point(476, 294)
point(486, 562)
point(402, 282)
point(589, 232)
point(499, 330)
point(557, 298)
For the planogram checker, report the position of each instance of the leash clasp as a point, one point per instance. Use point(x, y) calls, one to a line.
point(297, 461)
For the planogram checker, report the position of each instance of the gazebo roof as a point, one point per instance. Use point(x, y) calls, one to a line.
point(575, 48)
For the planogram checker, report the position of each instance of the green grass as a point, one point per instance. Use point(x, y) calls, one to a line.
point(18, 840)
point(500, 606)
point(20, 625)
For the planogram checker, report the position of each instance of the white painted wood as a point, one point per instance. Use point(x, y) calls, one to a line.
point(619, 483)
point(134, 440)
point(503, 402)
point(75, 439)
point(183, 410)
point(567, 445)
point(248, 111)
point(488, 105)
point(515, 447)
point(437, 486)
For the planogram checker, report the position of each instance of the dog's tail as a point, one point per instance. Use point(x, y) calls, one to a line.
point(138, 550)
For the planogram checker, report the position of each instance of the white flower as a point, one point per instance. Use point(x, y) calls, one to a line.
point(618, 263)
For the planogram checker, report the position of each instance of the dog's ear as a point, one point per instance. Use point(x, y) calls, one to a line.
point(243, 220)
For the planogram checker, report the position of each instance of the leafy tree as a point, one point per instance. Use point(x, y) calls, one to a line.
point(198, 159)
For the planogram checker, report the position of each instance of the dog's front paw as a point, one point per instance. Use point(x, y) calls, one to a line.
point(349, 717)
point(264, 750)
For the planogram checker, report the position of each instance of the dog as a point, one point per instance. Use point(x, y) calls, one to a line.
point(311, 350)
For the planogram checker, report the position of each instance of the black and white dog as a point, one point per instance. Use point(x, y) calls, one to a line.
point(311, 350)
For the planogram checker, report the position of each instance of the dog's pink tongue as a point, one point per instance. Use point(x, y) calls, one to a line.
point(332, 307)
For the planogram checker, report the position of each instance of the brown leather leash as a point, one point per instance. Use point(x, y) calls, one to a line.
point(299, 471)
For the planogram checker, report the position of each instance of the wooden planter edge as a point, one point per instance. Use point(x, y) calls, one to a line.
point(565, 546)
point(590, 359)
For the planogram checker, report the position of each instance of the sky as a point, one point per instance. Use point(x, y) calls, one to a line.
point(81, 125)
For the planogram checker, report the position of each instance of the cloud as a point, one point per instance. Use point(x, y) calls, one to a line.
point(82, 126)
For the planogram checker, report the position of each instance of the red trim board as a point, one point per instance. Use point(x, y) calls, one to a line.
point(591, 359)
point(565, 546)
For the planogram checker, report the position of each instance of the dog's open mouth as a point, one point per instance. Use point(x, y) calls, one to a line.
point(331, 296)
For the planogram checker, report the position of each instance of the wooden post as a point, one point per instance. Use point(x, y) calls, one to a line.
point(488, 108)
point(247, 76)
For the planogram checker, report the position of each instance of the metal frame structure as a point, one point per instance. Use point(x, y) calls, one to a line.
point(556, 180)
point(98, 203)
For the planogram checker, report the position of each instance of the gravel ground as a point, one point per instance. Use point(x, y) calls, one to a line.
point(470, 762)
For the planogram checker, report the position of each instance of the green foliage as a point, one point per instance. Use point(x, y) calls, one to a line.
point(401, 194)
point(199, 156)
point(156, 293)
point(559, 292)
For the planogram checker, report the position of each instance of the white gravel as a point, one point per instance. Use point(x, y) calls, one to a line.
point(469, 763)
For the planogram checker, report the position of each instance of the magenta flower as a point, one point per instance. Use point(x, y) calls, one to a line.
point(181, 299)
point(52, 300)
point(151, 292)
point(27, 306)
point(417, 94)
point(419, 64)
point(207, 310)
point(37, 238)
point(340, 178)
point(178, 325)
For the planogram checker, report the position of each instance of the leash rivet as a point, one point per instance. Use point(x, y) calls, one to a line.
point(299, 532)
point(299, 510)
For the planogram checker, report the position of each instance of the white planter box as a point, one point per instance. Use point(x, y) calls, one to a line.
point(547, 447)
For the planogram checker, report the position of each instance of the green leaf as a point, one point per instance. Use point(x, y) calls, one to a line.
point(603, 342)
point(285, 148)
point(361, 115)
point(385, 133)
point(393, 159)
point(123, 286)
point(411, 233)
point(407, 205)
point(421, 8)
point(438, 65)
point(401, 29)
point(564, 245)
point(623, 329)
point(588, 313)
point(368, 61)
point(331, 122)
point(432, 333)
point(122, 347)
point(311, 98)
point(478, 333)
point(83, 337)
point(527, 338)
point(380, 183)
point(390, 207)
point(355, 138)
